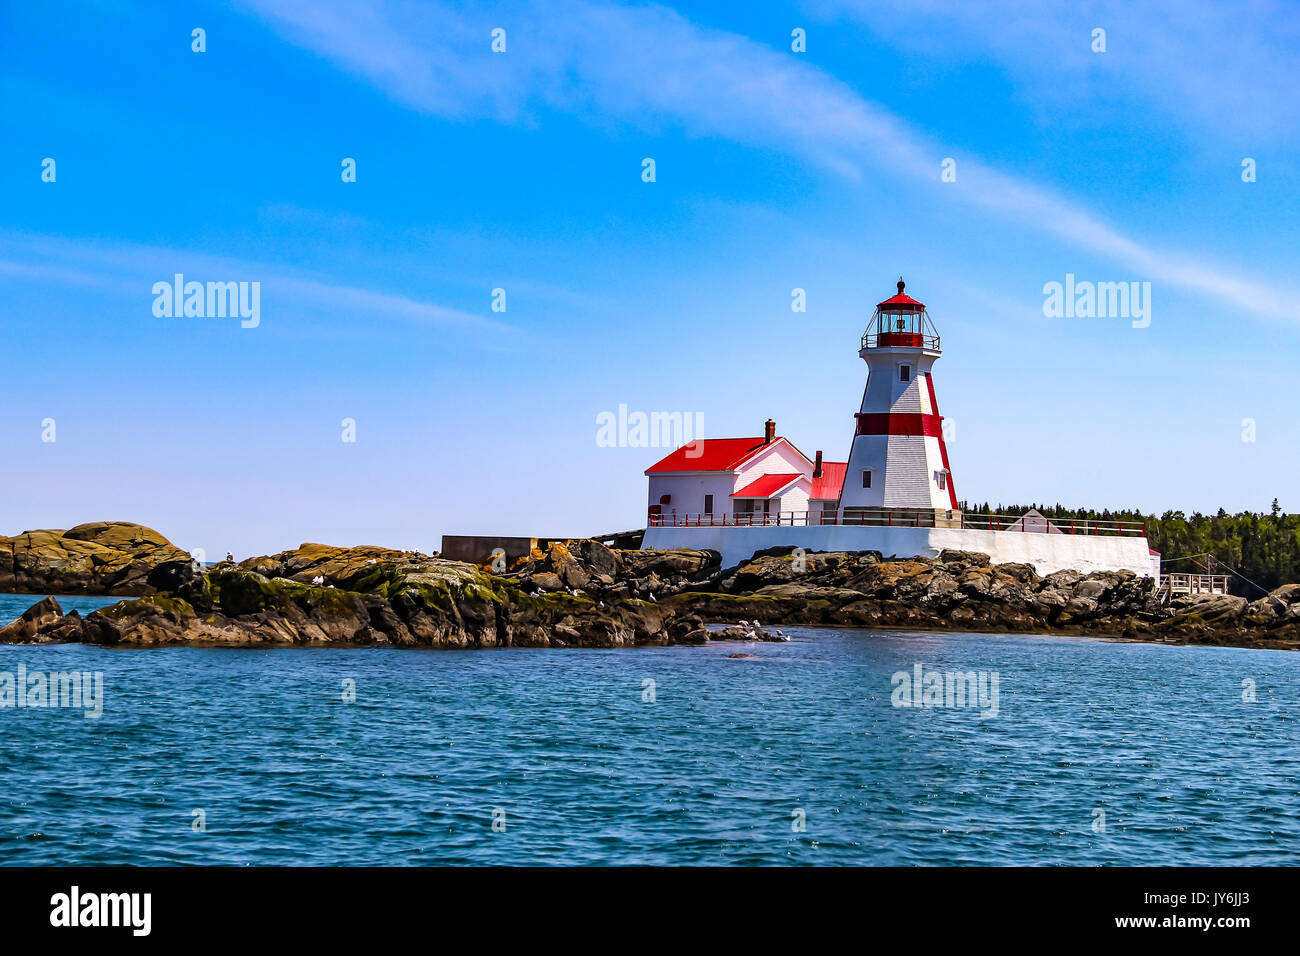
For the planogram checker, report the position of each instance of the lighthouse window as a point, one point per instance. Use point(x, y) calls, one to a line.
point(708, 504)
point(942, 478)
point(904, 373)
point(866, 478)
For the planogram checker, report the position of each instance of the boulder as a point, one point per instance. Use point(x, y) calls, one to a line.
point(594, 558)
point(1209, 607)
point(28, 628)
point(963, 559)
point(673, 566)
point(101, 557)
point(769, 569)
point(544, 581)
point(1282, 604)
point(363, 568)
point(742, 632)
point(561, 562)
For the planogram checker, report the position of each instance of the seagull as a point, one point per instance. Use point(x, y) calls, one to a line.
point(318, 580)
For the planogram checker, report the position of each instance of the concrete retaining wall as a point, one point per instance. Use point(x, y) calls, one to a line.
point(1046, 552)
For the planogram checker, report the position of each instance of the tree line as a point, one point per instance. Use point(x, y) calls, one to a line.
point(1263, 548)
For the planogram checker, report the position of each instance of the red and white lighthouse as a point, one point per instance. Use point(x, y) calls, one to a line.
point(899, 463)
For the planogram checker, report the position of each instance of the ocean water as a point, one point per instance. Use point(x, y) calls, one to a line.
point(793, 756)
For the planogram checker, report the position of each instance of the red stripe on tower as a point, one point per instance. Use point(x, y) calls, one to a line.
point(899, 423)
point(943, 449)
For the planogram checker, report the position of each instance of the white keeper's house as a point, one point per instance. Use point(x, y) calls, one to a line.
point(894, 494)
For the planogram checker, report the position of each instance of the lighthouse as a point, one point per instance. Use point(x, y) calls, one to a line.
point(743, 496)
point(898, 471)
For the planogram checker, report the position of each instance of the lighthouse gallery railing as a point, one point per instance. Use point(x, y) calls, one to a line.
point(903, 519)
point(912, 340)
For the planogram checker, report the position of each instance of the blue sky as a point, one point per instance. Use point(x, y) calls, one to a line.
point(775, 170)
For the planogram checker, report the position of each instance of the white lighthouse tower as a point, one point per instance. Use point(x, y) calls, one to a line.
point(898, 471)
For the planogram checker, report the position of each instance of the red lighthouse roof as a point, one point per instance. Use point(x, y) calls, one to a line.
point(901, 302)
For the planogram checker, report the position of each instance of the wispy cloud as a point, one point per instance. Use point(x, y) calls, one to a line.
point(1223, 70)
point(134, 268)
point(41, 272)
point(646, 65)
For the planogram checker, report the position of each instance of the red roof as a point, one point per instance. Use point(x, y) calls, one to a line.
point(766, 486)
point(829, 485)
point(708, 454)
point(901, 302)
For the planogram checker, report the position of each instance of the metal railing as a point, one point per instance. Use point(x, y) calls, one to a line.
point(1195, 583)
point(907, 518)
point(1034, 524)
point(915, 340)
point(742, 519)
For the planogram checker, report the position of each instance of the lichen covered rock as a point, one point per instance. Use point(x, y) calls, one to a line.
point(101, 557)
point(582, 594)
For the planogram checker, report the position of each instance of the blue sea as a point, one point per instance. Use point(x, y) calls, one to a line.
point(1100, 753)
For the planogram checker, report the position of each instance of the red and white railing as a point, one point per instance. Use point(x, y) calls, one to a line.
point(903, 519)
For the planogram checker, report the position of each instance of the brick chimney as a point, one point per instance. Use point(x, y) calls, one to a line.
point(769, 432)
point(817, 465)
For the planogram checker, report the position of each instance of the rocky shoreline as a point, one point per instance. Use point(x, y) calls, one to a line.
point(582, 594)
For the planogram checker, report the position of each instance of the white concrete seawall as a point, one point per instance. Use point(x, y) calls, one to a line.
point(1045, 552)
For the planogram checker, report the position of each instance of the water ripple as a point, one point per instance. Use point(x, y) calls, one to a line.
point(554, 757)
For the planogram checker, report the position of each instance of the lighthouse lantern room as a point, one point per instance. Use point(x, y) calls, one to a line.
point(898, 462)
